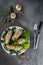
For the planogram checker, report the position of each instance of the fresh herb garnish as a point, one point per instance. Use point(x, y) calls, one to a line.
point(17, 52)
point(5, 17)
point(10, 42)
point(26, 45)
point(1, 41)
point(15, 42)
point(13, 51)
point(5, 33)
point(13, 28)
point(6, 13)
point(6, 47)
point(11, 9)
point(25, 34)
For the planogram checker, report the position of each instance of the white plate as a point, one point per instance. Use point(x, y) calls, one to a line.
point(2, 44)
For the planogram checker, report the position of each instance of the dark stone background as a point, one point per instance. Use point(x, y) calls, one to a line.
point(33, 13)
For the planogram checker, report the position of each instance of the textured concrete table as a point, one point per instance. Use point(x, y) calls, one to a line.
point(33, 13)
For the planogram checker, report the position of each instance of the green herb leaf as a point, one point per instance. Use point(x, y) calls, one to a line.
point(26, 45)
point(25, 34)
point(8, 20)
point(15, 42)
point(13, 28)
point(5, 33)
point(1, 41)
point(13, 51)
point(10, 42)
point(6, 48)
point(5, 13)
point(17, 52)
point(11, 9)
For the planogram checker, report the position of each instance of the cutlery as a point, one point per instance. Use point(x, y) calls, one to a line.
point(38, 37)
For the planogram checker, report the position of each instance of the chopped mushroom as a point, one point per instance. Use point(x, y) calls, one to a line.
point(13, 15)
point(17, 34)
point(16, 48)
point(8, 37)
point(22, 40)
point(18, 7)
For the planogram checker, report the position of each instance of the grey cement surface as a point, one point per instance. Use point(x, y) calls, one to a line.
point(33, 13)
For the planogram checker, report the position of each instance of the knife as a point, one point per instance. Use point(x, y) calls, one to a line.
point(38, 37)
